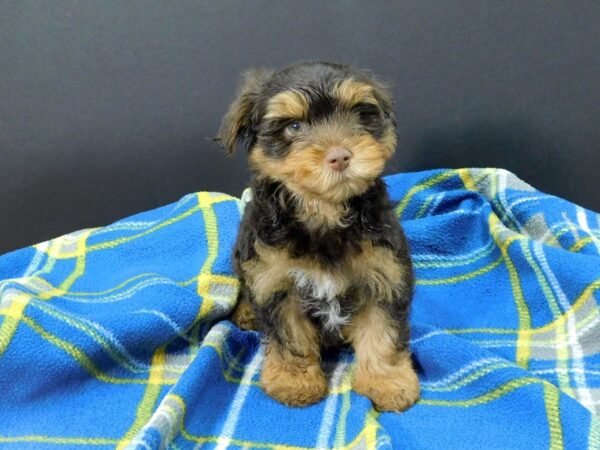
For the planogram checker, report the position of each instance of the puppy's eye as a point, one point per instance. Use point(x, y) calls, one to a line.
point(294, 127)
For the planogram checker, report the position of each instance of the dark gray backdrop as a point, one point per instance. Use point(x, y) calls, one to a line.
point(105, 105)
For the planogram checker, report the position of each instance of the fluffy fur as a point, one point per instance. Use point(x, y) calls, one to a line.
point(321, 256)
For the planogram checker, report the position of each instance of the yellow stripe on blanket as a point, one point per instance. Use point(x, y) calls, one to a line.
point(146, 406)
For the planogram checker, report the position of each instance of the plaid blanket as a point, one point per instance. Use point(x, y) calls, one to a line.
point(114, 336)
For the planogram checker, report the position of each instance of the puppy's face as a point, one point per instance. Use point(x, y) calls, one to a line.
point(324, 130)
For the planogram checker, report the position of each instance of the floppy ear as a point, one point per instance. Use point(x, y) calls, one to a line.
point(237, 123)
point(384, 96)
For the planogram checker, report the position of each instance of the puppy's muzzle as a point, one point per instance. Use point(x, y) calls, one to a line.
point(338, 158)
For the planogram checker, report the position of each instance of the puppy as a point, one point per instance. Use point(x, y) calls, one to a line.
point(320, 254)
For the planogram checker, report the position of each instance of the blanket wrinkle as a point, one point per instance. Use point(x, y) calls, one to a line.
point(115, 337)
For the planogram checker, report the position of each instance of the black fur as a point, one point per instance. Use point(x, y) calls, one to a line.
point(315, 79)
point(371, 218)
point(272, 217)
point(274, 223)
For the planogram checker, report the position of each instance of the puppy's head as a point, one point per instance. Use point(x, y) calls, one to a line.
point(323, 130)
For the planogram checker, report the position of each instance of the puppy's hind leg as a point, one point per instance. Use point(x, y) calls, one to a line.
point(243, 314)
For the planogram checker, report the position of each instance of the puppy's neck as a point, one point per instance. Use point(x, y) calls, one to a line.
point(318, 214)
point(312, 212)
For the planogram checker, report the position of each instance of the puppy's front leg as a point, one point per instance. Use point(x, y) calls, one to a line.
point(292, 372)
point(384, 371)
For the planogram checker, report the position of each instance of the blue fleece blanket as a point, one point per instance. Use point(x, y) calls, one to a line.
point(114, 336)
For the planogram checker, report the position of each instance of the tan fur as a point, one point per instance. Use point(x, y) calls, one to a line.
point(375, 270)
point(271, 271)
point(378, 273)
point(268, 272)
point(292, 373)
point(287, 105)
point(389, 139)
point(383, 374)
point(243, 315)
point(306, 174)
point(315, 213)
point(320, 196)
point(351, 92)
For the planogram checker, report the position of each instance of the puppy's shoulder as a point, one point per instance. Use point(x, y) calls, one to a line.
point(264, 219)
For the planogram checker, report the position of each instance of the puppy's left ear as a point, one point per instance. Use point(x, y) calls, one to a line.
point(237, 123)
point(385, 98)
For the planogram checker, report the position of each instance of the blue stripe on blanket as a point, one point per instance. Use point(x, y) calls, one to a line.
point(113, 337)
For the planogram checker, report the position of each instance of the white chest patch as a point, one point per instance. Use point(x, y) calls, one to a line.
point(319, 284)
point(323, 302)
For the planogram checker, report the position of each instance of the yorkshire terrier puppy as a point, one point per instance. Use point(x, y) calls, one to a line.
point(321, 256)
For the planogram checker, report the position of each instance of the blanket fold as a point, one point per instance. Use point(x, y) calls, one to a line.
point(115, 337)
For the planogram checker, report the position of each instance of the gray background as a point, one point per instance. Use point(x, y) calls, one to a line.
point(105, 106)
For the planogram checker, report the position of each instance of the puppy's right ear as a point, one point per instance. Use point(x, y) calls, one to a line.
point(237, 123)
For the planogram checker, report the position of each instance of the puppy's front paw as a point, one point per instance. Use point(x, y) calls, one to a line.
point(397, 389)
point(293, 384)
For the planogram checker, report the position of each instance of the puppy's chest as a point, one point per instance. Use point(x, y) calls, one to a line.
point(320, 283)
point(326, 295)
point(328, 291)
